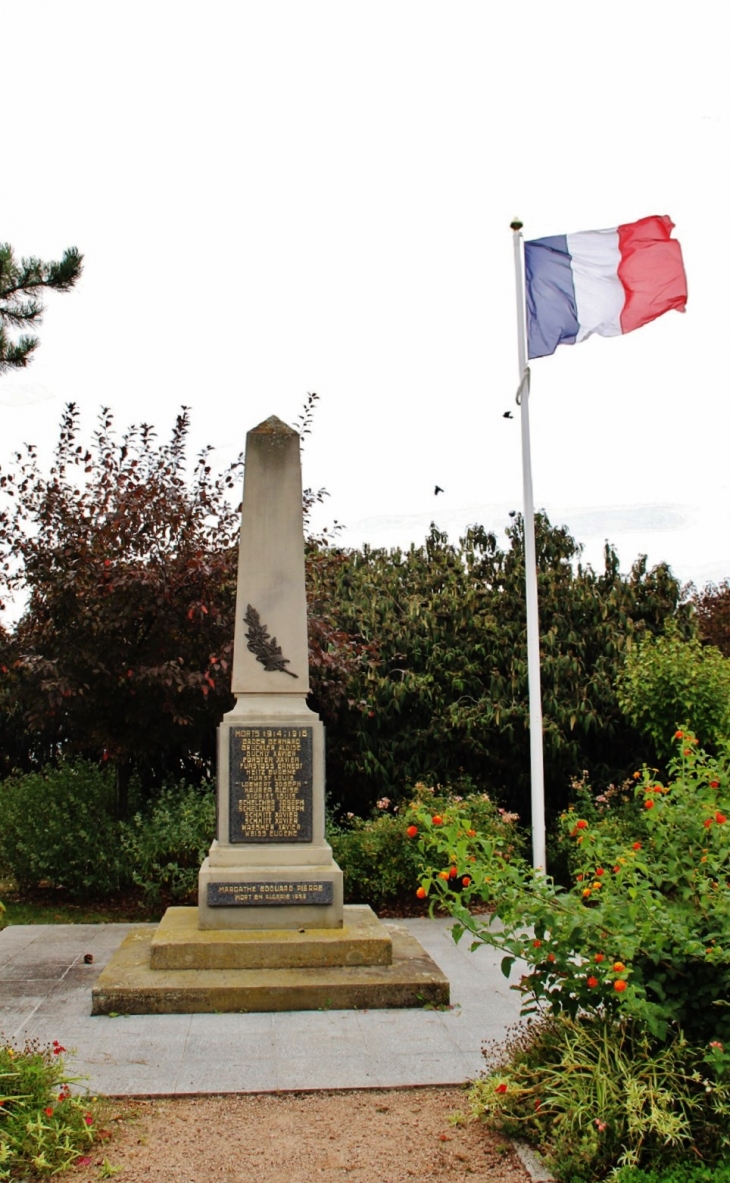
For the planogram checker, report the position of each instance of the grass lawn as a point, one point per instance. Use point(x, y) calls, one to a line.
point(54, 907)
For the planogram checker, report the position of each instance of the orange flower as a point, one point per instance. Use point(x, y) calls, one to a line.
point(679, 735)
point(421, 893)
point(412, 831)
point(453, 873)
point(465, 881)
point(599, 958)
point(619, 985)
point(616, 870)
point(471, 833)
point(619, 967)
point(586, 891)
point(648, 804)
point(443, 874)
point(688, 751)
point(437, 820)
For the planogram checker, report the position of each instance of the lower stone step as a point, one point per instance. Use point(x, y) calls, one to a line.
point(129, 986)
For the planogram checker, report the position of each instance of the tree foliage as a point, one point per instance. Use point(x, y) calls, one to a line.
point(443, 693)
point(712, 609)
point(127, 561)
point(128, 565)
point(21, 304)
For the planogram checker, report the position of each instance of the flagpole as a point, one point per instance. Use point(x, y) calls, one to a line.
point(533, 626)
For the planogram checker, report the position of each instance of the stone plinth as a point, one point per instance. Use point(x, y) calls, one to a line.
point(178, 943)
point(129, 986)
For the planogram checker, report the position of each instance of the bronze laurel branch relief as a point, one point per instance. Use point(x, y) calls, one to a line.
point(264, 647)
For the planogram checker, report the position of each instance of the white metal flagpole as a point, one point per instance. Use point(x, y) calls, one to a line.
point(537, 779)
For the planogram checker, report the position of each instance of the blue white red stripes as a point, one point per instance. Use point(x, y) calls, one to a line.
point(601, 281)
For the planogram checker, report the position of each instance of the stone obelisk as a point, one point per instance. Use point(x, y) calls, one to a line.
point(270, 932)
point(270, 866)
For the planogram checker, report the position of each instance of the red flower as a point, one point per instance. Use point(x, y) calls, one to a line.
point(599, 958)
point(714, 784)
point(48, 1112)
point(619, 985)
point(720, 819)
point(437, 820)
point(501, 1088)
point(412, 831)
point(421, 893)
point(648, 804)
point(636, 846)
point(465, 881)
point(616, 870)
point(592, 982)
point(618, 967)
point(688, 751)
point(600, 871)
point(536, 944)
point(551, 956)
point(453, 873)
point(679, 735)
point(88, 1119)
point(471, 833)
point(707, 823)
point(581, 825)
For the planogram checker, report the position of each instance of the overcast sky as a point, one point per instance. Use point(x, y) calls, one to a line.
point(274, 197)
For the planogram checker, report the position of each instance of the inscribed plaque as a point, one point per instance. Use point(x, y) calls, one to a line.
point(270, 784)
point(276, 891)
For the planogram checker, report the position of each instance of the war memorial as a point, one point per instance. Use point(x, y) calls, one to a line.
point(270, 932)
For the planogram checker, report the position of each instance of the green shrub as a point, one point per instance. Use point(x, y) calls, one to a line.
point(57, 828)
point(381, 864)
point(678, 1173)
point(594, 1092)
point(165, 846)
point(668, 682)
point(44, 1128)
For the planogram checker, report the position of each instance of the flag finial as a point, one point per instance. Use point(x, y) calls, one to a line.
point(515, 224)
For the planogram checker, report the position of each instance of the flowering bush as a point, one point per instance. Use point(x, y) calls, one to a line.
point(644, 929)
point(382, 856)
point(44, 1127)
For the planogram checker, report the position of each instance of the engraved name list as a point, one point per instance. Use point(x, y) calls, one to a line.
point(271, 784)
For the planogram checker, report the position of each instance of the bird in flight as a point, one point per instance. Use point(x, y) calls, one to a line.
point(508, 415)
point(437, 490)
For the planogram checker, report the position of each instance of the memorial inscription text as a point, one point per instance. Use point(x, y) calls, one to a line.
point(271, 784)
point(247, 895)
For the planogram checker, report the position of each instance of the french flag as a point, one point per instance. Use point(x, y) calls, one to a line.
point(601, 281)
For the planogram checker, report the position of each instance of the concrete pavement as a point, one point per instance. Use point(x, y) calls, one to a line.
point(45, 993)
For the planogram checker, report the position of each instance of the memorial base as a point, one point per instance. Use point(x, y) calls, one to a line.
point(285, 980)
